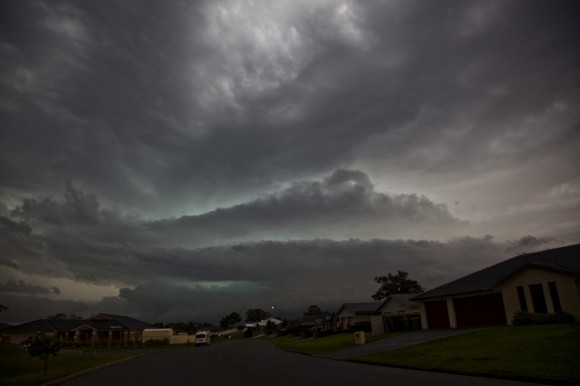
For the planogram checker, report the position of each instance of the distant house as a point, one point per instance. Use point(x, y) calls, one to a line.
point(543, 282)
point(356, 315)
point(3, 308)
point(396, 313)
point(399, 304)
point(98, 328)
point(262, 325)
point(319, 322)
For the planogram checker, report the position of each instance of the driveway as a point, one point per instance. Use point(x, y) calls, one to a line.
point(408, 339)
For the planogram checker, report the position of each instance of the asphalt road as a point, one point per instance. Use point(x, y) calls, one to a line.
point(256, 363)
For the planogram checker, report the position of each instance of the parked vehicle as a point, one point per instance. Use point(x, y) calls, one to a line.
point(202, 337)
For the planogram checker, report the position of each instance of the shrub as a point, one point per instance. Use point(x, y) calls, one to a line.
point(525, 318)
point(248, 333)
point(564, 317)
point(522, 318)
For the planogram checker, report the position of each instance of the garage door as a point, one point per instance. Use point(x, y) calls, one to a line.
point(484, 310)
point(437, 316)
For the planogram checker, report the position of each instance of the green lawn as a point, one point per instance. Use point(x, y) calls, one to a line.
point(324, 344)
point(17, 369)
point(551, 351)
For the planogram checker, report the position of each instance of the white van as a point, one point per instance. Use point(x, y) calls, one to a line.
point(202, 337)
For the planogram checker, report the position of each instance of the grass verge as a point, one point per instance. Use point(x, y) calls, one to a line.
point(325, 344)
point(17, 369)
point(551, 352)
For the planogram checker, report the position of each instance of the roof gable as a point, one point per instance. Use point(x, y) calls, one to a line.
point(564, 259)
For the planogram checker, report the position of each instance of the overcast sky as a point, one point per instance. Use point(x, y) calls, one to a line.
point(181, 160)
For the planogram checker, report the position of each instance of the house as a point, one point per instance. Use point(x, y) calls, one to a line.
point(542, 282)
point(100, 328)
point(319, 322)
point(356, 315)
point(397, 313)
point(262, 325)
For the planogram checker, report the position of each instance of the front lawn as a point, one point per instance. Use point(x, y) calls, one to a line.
point(551, 351)
point(17, 369)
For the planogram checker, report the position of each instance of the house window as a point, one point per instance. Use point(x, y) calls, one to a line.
point(522, 299)
point(538, 299)
point(554, 296)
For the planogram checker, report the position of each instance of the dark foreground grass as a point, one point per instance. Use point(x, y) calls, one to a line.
point(538, 351)
point(17, 369)
point(325, 344)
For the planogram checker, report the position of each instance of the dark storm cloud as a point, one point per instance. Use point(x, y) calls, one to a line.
point(342, 205)
point(144, 105)
point(90, 239)
point(229, 153)
point(25, 309)
point(161, 283)
point(12, 286)
point(206, 284)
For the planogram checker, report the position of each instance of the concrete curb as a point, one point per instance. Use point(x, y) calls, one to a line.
point(87, 371)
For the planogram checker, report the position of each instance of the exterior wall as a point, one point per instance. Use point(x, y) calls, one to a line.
point(377, 325)
point(181, 339)
point(451, 313)
point(452, 318)
point(18, 338)
point(347, 318)
point(567, 287)
point(157, 333)
point(423, 312)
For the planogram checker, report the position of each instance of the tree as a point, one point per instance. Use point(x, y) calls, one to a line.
point(229, 320)
point(42, 347)
point(315, 311)
point(396, 284)
point(256, 315)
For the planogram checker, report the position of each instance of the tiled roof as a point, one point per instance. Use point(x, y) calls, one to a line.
point(98, 323)
point(125, 321)
point(42, 325)
point(564, 259)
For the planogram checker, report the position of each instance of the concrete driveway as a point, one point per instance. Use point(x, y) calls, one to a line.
point(408, 339)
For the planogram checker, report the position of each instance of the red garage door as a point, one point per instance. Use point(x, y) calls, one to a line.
point(437, 316)
point(484, 310)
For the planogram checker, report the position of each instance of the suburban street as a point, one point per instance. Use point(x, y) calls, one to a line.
point(257, 362)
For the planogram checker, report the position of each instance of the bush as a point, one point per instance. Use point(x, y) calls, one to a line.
point(525, 318)
point(248, 333)
point(562, 317)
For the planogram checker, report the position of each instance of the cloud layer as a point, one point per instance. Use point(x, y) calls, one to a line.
point(64, 245)
point(206, 148)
